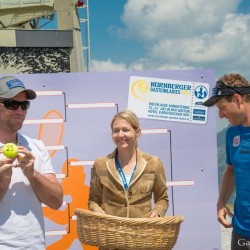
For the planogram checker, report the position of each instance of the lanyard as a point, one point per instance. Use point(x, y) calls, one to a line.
point(125, 184)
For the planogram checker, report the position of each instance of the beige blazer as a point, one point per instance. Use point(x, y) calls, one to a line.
point(107, 191)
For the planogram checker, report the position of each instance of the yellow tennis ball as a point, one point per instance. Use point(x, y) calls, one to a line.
point(10, 150)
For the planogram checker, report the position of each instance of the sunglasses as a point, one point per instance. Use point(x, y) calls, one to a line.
point(14, 105)
point(221, 84)
point(223, 89)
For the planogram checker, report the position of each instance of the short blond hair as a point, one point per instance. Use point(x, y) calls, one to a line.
point(130, 117)
point(235, 79)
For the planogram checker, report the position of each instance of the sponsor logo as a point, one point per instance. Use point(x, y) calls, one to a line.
point(201, 92)
point(15, 84)
point(236, 141)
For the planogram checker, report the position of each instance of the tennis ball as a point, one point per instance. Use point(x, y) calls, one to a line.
point(10, 150)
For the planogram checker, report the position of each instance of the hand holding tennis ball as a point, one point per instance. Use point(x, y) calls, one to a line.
point(10, 150)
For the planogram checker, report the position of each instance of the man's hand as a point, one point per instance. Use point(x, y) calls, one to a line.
point(26, 161)
point(6, 165)
point(222, 215)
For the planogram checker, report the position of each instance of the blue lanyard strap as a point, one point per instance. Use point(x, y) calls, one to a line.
point(125, 184)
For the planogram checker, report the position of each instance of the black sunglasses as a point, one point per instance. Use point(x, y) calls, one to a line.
point(223, 89)
point(220, 85)
point(14, 105)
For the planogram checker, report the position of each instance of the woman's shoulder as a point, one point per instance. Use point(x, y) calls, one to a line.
point(103, 159)
point(147, 156)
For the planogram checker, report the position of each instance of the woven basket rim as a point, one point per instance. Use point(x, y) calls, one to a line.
point(163, 219)
point(110, 232)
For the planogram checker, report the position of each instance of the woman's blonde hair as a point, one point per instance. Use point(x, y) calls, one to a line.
point(130, 117)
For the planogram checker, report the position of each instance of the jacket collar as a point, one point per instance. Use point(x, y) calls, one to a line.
point(140, 166)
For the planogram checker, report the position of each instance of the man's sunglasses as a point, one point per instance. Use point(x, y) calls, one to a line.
point(14, 105)
point(223, 89)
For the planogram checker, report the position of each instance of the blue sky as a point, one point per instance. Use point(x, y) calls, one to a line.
point(170, 34)
point(105, 18)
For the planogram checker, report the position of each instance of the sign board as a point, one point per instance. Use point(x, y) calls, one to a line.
point(72, 115)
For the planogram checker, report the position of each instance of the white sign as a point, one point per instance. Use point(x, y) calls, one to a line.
point(166, 99)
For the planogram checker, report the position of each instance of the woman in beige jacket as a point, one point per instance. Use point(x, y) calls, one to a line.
point(124, 182)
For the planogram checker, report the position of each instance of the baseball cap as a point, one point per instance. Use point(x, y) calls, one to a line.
point(222, 89)
point(11, 86)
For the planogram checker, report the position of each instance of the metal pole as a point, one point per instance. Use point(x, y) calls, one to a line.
point(88, 36)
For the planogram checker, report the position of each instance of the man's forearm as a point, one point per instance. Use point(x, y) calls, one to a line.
point(47, 189)
point(5, 178)
point(4, 185)
point(227, 187)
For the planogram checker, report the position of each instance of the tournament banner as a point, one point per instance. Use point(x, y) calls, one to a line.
point(169, 100)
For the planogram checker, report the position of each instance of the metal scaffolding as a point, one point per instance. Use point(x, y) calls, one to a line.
point(66, 14)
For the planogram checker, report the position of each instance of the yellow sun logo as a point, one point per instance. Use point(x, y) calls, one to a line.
point(139, 89)
point(142, 86)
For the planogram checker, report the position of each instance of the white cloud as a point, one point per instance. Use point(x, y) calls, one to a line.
point(107, 65)
point(179, 34)
point(152, 20)
point(207, 34)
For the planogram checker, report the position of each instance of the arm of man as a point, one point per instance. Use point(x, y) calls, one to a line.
point(47, 189)
point(6, 165)
point(226, 190)
point(5, 178)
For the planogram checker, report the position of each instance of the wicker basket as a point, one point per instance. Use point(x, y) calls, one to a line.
point(112, 232)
